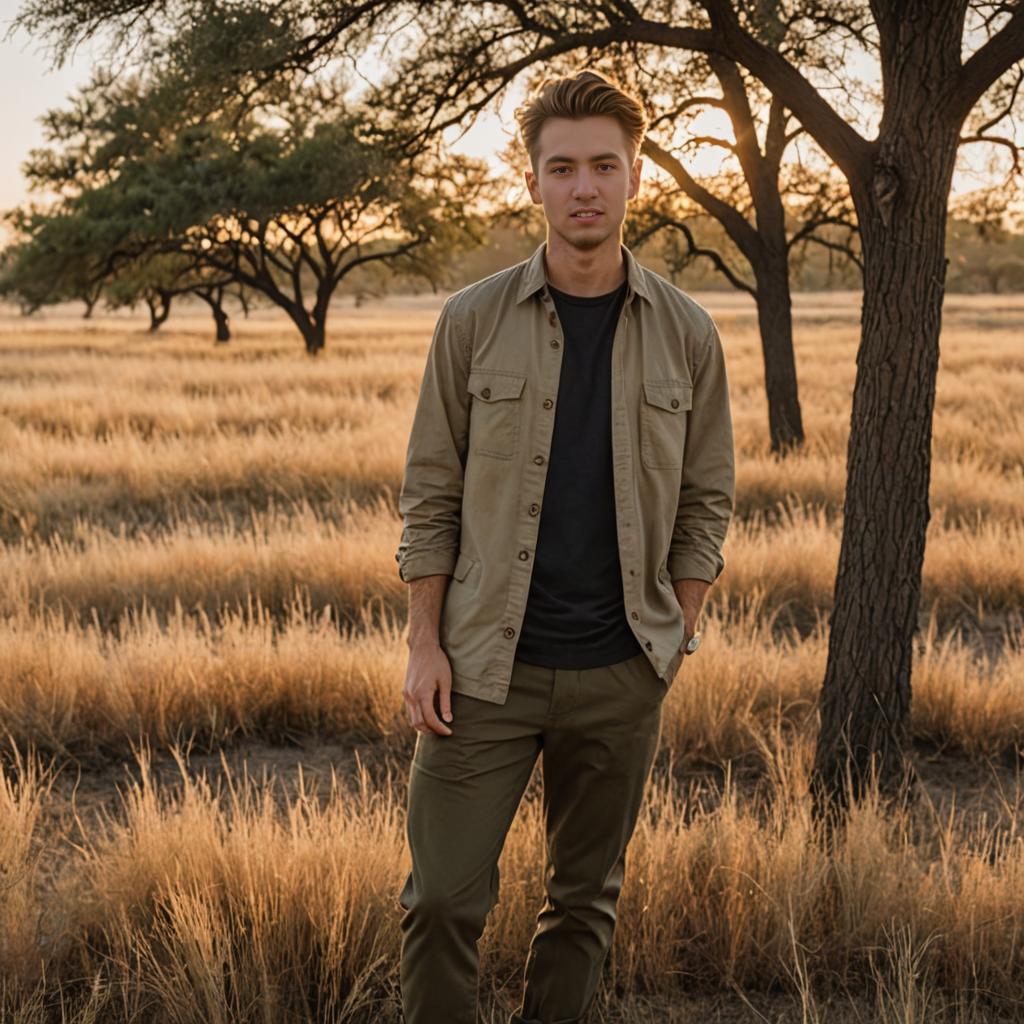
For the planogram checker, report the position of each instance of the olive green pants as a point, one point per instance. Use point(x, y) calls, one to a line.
point(599, 730)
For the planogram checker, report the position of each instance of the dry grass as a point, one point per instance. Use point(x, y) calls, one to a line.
point(121, 428)
point(193, 884)
point(342, 554)
point(198, 552)
point(80, 691)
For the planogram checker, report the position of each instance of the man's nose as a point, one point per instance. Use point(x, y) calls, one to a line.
point(584, 186)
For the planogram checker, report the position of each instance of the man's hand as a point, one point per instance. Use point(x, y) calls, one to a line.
point(429, 671)
point(690, 594)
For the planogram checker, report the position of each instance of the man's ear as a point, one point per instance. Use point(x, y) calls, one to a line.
point(531, 184)
point(634, 177)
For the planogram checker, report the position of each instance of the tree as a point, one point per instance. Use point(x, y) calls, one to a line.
point(158, 279)
point(461, 56)
point(284, 198)
point(291, 218)
point(51, 259)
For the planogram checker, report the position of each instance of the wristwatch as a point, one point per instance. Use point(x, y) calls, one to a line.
point(692, 644)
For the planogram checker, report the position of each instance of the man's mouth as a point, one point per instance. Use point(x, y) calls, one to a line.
point(586, 214)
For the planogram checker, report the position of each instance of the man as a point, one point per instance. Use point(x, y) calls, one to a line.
point(568, 486)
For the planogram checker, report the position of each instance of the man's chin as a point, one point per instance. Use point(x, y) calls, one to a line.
point(587, 239)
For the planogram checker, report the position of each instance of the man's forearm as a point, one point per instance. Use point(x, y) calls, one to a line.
point(690, 594)
point(426, 598)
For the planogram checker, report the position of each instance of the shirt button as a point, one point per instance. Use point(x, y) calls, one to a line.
point(509, 631)
point(534, 509)
point(634, 614)
point(548, 403)
point(538, 459)
point(675, 403)
point(648, 645)
point(524, 555)
point(632, 572)
point(552, 319)
point(486, 392)
point(554, 343)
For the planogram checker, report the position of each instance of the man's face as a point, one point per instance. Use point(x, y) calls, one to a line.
point(584, 178)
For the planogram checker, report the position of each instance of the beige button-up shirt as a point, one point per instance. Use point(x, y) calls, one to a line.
point(473, 489)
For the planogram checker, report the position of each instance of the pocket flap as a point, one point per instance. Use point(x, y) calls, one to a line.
point(671, 395)
point(494, 385)
point(462, 566)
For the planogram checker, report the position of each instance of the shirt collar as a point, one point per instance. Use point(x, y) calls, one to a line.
point(534, 278)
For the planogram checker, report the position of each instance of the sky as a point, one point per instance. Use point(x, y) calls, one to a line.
point(29, 86)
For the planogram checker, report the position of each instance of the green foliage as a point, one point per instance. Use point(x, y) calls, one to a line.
point(54, 259)
point(283, 190)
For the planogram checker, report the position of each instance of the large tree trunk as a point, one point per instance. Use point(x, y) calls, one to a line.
point(865, 697)
point(775, 320)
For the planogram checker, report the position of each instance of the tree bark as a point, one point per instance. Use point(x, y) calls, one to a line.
point(866, 693)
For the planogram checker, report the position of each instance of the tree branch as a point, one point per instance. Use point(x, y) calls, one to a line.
point(851, 152)
point(997, 140)
point(737, 226)
point(986, 66)
point(695, 251)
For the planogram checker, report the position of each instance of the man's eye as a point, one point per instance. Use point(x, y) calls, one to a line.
point(611, 167)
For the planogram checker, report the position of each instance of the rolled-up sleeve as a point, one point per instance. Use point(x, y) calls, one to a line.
point(430, 498)
point(708, 487)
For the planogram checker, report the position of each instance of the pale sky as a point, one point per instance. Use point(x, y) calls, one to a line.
point(29, 87)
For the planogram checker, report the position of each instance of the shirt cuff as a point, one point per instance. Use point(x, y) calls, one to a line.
point(690, 565)
point(427, 563)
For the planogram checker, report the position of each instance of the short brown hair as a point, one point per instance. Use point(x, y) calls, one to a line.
point(586, 93)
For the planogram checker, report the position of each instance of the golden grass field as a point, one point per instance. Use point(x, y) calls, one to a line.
point(206, 750)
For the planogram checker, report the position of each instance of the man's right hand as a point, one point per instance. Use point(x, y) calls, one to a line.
point(429, 672)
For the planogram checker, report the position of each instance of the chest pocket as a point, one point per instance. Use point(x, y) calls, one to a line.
point(663, 422)
point(496, 412)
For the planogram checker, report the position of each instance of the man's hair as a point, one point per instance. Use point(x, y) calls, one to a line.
point(585, 93)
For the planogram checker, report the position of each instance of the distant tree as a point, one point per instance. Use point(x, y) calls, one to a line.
point(214, 295)
point(284, 200)
point(51, 259)
point(158, 279)
point(290, 218)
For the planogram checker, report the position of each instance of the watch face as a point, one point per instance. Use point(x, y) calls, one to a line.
point(693, 644)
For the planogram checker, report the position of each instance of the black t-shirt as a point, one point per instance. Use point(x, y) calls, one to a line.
point(575, 613)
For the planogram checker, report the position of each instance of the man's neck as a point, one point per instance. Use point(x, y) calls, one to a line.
point(584, 272)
